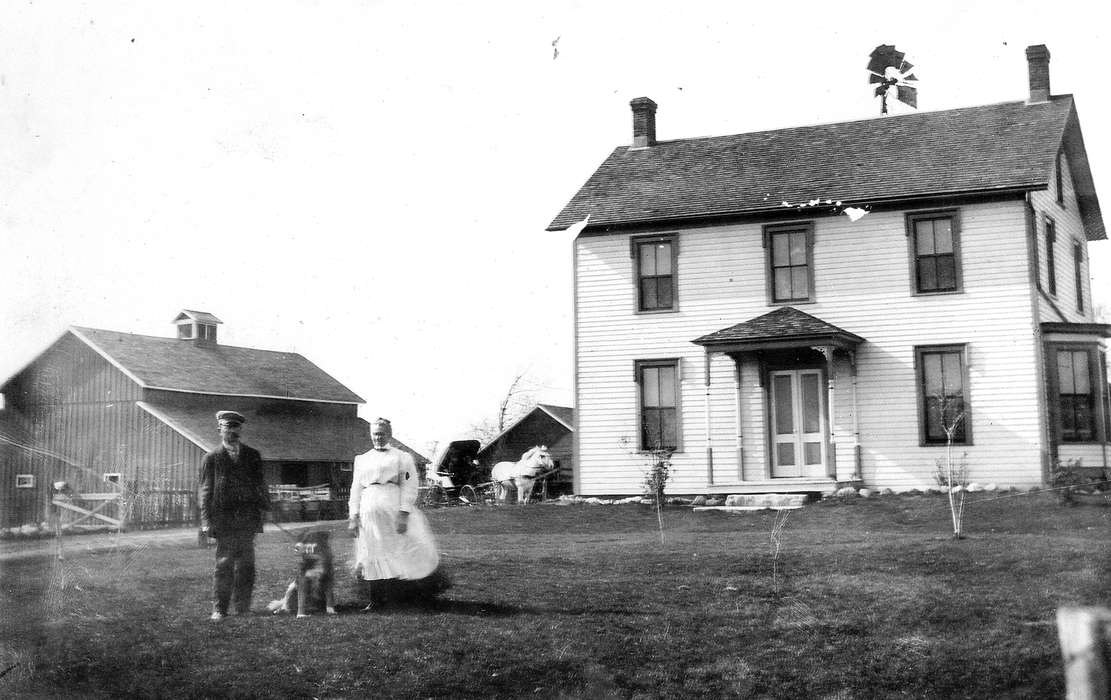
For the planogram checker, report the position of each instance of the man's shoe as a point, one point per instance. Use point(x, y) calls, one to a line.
point(217, 616)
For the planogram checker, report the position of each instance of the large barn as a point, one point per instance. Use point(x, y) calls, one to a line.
point(109, 412)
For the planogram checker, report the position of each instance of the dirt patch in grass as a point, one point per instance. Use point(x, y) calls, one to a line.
point(864, 599)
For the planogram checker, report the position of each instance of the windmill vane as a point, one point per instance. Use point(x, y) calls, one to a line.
point(888, 69)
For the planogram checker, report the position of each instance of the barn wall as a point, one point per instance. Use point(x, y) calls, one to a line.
point(81, 424)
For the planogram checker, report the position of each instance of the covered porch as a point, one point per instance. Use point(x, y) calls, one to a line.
point(794, 389)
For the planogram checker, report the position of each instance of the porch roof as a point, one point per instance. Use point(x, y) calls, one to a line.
point(785, 327)
point(1101, 330)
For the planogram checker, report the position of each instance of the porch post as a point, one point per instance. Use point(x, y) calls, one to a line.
point(831, 465)
point(740, 424)
point(709, 439)
point(856, 419)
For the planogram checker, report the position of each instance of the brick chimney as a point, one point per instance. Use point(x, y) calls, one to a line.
point(1037, 59)
point(644, 122)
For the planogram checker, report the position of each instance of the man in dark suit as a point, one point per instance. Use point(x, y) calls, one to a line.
point(232, 496)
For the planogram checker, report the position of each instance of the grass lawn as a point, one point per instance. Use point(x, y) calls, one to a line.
point(865, 598)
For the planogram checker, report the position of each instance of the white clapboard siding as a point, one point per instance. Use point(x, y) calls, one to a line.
point(863, 285)
point(1070, 229)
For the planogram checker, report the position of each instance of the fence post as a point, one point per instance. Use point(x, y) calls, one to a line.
point(1083, 633)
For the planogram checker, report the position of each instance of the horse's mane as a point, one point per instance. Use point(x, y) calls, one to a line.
point(532, 451)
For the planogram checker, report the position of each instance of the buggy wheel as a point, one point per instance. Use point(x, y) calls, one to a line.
point(434, 495)
point(468, 495)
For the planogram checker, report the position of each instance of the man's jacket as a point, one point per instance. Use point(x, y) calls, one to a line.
point(232, 494)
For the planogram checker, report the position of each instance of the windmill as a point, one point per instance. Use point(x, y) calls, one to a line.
point(889, 70)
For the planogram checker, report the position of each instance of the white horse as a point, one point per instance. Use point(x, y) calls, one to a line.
point(522, 473)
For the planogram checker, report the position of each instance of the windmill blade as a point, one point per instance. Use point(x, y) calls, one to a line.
point(907, 95)
point(874, 78)
point(905, 67)
point(881, 90)
point(883, 57)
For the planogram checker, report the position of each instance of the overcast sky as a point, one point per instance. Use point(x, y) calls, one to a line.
point(368, 183)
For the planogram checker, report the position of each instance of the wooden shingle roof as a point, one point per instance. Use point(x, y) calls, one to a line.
point(184, 365)
point(786, 325)
point(1003, 147)
point(291, 437)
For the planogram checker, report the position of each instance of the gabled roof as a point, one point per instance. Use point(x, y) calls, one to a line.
point(783, 327)
point(1008, 147)
point(563, 414)
point(560, 414)
point(198, 316)
point(225, 370)
point(418, 458)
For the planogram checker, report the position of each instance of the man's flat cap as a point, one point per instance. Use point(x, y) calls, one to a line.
point(230, 417)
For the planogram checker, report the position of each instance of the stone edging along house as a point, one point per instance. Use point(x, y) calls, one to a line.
point(812, 307)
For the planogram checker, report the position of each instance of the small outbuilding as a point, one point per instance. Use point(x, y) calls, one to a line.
point(543, 425)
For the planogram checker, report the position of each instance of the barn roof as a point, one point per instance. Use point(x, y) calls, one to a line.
point(279, 437)
point(1007, 147)
point(183, 365)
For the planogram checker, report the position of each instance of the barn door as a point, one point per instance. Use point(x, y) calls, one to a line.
point(798, 423)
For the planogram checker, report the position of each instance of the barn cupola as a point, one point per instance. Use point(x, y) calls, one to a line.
point(198, 326)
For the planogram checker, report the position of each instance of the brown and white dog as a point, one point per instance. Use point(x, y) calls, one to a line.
point(315, 579)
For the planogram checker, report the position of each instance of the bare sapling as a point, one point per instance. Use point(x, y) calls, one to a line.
point(950, 420)
point(655, 482)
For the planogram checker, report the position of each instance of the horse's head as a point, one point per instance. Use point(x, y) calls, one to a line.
point(538, 459)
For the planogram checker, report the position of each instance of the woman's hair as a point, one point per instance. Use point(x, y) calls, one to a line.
point(382, 421)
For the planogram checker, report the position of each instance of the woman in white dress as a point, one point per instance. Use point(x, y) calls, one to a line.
point(394, 542)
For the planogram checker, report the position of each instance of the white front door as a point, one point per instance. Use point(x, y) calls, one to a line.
point(798, 423)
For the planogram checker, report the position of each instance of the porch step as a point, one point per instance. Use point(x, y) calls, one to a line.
point(760, 501)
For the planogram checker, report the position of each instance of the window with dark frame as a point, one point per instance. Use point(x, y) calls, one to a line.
point(943, 398)
point(655, 265)
point(1050, 257)
point(1078, 274)
point(1060, 178)
point(1075, 398)
point(934, 243)
point(659, 404)
point(790, 255)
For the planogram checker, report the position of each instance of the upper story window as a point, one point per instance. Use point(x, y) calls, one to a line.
point(658, 383)
point(1059, 174)
point(1075, 398)
point(790, 262)
point(654, 260)
point(1078, 273)
point(935, 251)
point(1050, 255)
point(942, 394)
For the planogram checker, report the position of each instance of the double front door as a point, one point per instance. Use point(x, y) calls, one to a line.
point(798, 423)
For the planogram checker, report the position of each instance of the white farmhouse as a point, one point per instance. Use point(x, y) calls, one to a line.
point(800, 309)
